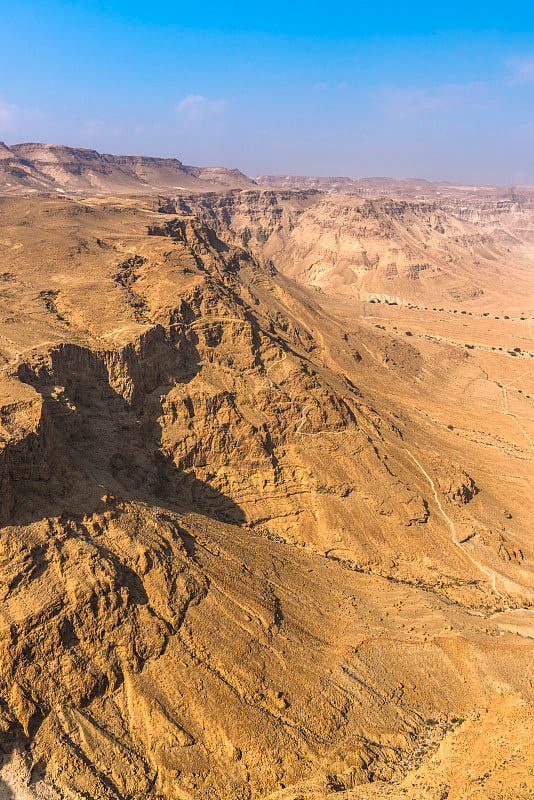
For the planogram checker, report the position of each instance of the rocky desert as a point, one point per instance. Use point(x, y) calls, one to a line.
point(266, 484)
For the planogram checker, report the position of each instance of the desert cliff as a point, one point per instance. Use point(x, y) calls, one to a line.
point(256, 540)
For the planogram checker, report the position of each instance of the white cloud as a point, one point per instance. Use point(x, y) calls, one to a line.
point(7, 115)
point(323, 86)
point(196, 107)
point(404, 103)
point(12, 116)
point(522, 70)
point(99, 127)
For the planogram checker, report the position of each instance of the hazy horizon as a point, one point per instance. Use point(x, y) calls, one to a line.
point(441, 94)
point(258, 174)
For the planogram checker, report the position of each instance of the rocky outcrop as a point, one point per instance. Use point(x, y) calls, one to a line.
point(35, 167)
point(417, 250)
point(456, 485)
point(222, 571)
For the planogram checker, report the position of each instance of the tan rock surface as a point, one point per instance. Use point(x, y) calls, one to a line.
point(461, 252)
point(36, 168)
point(251, 541)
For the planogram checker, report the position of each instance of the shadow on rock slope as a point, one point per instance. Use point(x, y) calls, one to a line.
point(98, 433)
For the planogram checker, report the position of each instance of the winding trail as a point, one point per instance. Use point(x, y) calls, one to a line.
point(489, 573)
point(15, 357)
point(514, 417)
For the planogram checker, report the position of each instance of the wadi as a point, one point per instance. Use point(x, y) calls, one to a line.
point(266, 470)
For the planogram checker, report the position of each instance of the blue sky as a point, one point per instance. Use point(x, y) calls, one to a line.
point(401, 89)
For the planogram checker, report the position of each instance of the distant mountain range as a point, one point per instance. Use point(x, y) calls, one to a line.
point(418, 188)
point(37, 168)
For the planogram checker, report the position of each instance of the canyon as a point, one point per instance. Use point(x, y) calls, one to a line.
point(266, 468)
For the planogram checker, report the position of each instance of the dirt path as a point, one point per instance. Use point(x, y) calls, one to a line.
point(487, 572)
point(514, 417)
point(18, 353)
point(453, 342)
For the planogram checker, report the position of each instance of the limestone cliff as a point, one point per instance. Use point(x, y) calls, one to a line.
point(227, 566)
point(447, 250)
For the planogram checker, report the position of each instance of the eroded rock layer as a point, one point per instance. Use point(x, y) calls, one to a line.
point(240, 555)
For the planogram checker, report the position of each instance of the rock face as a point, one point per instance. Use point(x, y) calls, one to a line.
point(29, 168)
point(415, 188)
point(238, 552)
point(421, 242)
point(449, 250)
point(477, 759)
